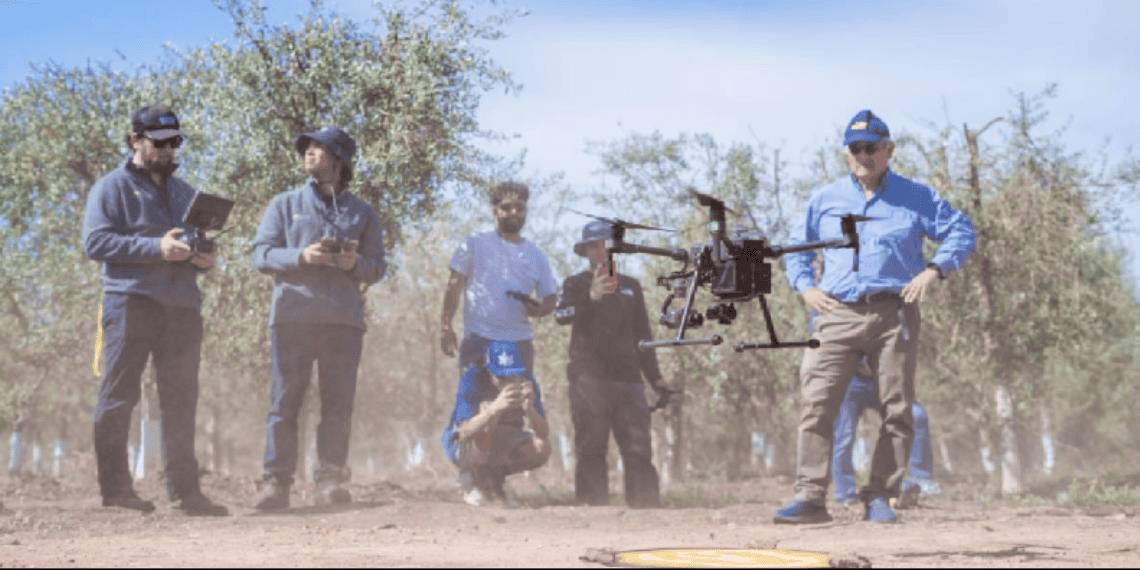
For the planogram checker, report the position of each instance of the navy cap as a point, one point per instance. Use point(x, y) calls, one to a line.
point(865, 126)
point(504, 359)
point(157, 122)
point(334, 139)
point(594, 231)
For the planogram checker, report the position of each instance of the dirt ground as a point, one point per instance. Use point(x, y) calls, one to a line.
point(421, 521)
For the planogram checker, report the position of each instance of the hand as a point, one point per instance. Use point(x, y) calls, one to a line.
point(172, 248)
point(916, 289)
point(528, 395)
point(448, 342)
point(314, 254)
point(203, 260)
point(345, 260)
point(603, 283)
point(511, 396)
point(820, 301)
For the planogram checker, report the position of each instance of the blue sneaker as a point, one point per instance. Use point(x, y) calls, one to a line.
point(879, 510)
point(801, 512)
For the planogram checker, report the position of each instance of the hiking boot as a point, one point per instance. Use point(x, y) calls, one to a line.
point(879, 510)
point(331, 493)
point(197, 505)
point(274, 496)
point(129, 501)
point(799, 511)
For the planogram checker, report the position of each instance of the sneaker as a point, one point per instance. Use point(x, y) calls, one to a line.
point(801, 512)
point(129, 501)
point(908, 496)
point(878, 510)
point(198, 505)
point(476, 497)
point(331, 493)
point(274, 496)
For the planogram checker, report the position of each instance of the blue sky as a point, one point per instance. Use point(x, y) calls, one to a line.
point(792, 72)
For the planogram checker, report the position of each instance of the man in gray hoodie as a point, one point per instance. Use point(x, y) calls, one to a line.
point(151, 307)
point(324, 246)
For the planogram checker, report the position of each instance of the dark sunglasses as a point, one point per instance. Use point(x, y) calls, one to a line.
point(512, 207)
point(172, 142)
point(864, 148)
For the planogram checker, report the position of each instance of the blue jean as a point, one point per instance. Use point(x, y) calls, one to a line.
point(336, 349)
point(134, 328)
point(862, 394)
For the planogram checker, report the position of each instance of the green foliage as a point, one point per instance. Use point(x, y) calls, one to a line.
point(1044, 307)
point(405, 85)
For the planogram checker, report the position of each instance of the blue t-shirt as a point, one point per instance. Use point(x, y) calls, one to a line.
point(493, 266)
point(475, 387)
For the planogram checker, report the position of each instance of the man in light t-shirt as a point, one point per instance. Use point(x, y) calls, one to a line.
point(505, 280)
point(502, 276)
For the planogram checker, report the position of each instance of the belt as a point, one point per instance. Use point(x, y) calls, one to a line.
point(877, 298)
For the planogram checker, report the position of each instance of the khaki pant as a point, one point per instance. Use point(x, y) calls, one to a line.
point(886, 334)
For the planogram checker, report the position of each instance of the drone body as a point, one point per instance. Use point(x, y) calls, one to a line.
point(735, 270)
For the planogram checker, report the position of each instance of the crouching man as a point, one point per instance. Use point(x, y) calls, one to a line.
point(498, 427)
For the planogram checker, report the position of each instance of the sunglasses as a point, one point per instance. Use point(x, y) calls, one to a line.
point(172, 142)
point(512, 207)
point(864, 148)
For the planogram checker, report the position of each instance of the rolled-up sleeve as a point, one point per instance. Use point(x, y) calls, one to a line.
point(798, 266)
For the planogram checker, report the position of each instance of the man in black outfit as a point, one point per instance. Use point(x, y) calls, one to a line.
point(608, 316)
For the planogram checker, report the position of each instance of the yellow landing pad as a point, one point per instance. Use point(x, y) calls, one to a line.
point(721, 558)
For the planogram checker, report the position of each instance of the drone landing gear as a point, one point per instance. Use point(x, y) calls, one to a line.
point(774, 342)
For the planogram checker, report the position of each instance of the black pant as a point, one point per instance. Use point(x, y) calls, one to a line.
point(134, 328)
point(598, 406)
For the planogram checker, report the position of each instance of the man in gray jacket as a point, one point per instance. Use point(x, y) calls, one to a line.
point(324, 246)
point(151, 306)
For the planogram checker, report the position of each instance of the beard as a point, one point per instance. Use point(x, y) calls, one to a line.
point(163, 166)
point(511, 225)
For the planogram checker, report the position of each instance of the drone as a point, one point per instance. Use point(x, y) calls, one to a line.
point(735, 269)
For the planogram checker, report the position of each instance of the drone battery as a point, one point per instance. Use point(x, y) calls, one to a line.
point(745, 275)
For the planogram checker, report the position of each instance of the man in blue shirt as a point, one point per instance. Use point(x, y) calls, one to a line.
point(151, 306)
point(324, 246)
point(867, 308)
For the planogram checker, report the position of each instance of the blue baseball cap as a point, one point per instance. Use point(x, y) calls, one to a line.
point(504, 359)
point(865, 126)
point(596, 230)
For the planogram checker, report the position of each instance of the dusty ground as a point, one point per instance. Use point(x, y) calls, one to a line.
point(421, 522)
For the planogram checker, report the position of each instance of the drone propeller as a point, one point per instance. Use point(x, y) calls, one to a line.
point(617, 222)
point(710, 202)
